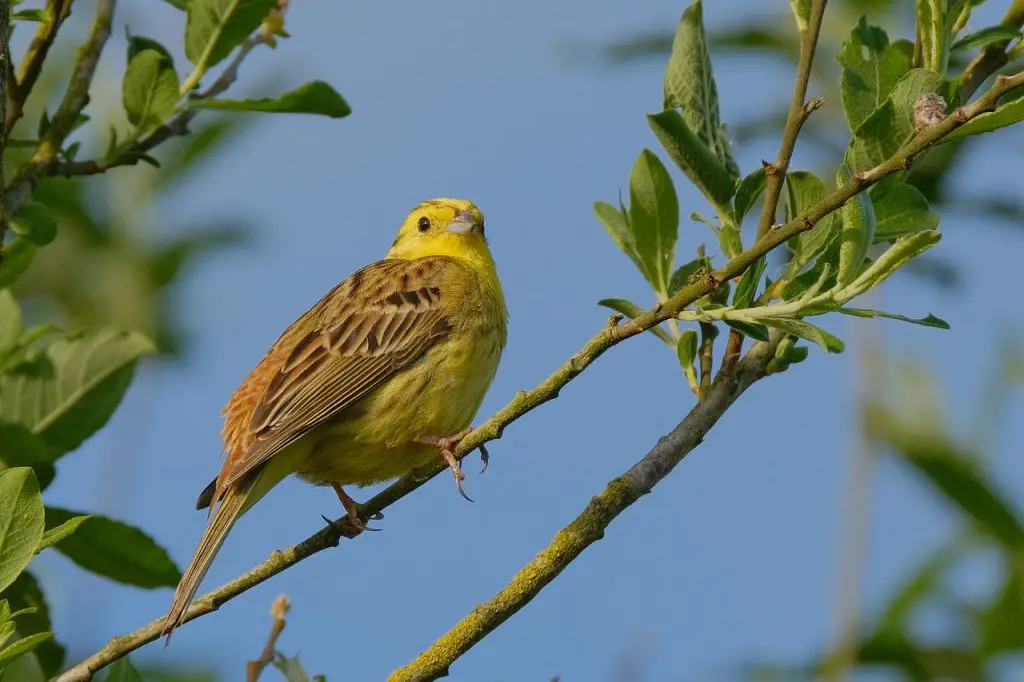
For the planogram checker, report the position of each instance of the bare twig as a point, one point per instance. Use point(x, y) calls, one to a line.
point(56, 12)
point(591, 523)
point(278, 611)
point(775, 173)
point(527, 401)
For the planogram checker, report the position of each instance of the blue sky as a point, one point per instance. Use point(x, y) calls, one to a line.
point(731, 559)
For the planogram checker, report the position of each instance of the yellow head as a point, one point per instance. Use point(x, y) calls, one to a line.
point(444, 227)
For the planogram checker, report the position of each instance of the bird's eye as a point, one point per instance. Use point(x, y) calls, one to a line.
point(424, 224)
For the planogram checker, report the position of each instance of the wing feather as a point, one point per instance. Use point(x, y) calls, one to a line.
point(375, 324)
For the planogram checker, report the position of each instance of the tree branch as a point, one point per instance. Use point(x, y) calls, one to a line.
point(50, 165)
point(993, 57)
point(590, 525)
point(56, 12)
point(75, 99)
point(278, 611)
point(775, 173)
point(526, 401)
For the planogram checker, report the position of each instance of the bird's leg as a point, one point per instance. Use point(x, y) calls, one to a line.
point(352, 525)
point(446, 446)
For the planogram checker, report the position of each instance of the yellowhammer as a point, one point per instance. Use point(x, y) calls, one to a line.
point(387, 370)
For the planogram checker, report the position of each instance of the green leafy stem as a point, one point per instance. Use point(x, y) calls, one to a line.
point(621, 492)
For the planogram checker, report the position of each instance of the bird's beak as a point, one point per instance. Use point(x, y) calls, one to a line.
point(464, 222)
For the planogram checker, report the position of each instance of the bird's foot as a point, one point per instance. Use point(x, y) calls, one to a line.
point(446, 446)
point(351, 525)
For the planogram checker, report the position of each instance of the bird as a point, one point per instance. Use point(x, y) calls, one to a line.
point(381, 376)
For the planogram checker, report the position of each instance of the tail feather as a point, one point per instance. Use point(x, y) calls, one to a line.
point(230, 508)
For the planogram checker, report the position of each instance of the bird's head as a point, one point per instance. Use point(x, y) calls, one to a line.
point(442, 227)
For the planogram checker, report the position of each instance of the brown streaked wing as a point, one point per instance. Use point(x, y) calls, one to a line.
point(382, 326)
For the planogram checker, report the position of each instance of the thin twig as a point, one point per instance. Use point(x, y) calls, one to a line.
point(63, 120)
point(591, 523)
point(51, 166)
point(527, 401)
point(278, 611)
point(32, 65)
point(993, 57)
point(775, 173)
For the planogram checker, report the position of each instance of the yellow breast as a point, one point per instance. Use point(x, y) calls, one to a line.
point(374, 440)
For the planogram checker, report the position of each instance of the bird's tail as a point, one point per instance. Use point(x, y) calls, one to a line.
point(236, 501)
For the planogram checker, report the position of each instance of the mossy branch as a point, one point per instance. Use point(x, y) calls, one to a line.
point(32, 65)
point(649, 470)
point(590, 525)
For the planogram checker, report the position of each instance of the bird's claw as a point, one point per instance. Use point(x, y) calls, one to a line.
point(485, 457)
point(445, 447)
point(346, 527)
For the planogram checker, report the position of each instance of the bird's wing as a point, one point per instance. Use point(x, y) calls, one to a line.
point(379, 321)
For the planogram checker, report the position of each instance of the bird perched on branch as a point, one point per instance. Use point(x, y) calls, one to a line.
point(383, 374)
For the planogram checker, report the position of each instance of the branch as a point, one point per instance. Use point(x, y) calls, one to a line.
point(590, 525)
point(75, 99)
point(993, 57)
point(278, 610)
point(56, 12)
point(527, 401)
point(775, 173)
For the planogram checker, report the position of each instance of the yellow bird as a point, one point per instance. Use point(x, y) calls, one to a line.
point(384, 373)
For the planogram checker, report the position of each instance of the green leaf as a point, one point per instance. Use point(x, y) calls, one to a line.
point(179, 4)
point(689, 84)
point(653, 218)
point(895, 257)
point(214, 28)
point(36, 15)
point(17, 255)
point(801, 12)
point(871, 69)
point(686, 348)
point(933, 34)
point(891, 125)
point(291, 668)
point(681, 277)
point(804, 190)
point(748, 192)
point(631, 310)
point(858, 230)
point(930, 321)
point(999, 624)
point(138, 44)
point(805, 330)
point(957, 476)
point(69, 392)
point(115, 550)
point(123, 670)
point(985, 37)
point(758, 332)
point(19, 447)
point(21, 522)
point(797, 286)
point(315, 97)
point(25, 593)
point(150, 89)
point(1006, 114)
point(57, 533)
point(922, 582)
point(35, 223)
point(616, 224)
point(10, 319)
point(24, 645)
point(729, 241)
point(747, 288)
point(899, 209)
point(693, 157)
